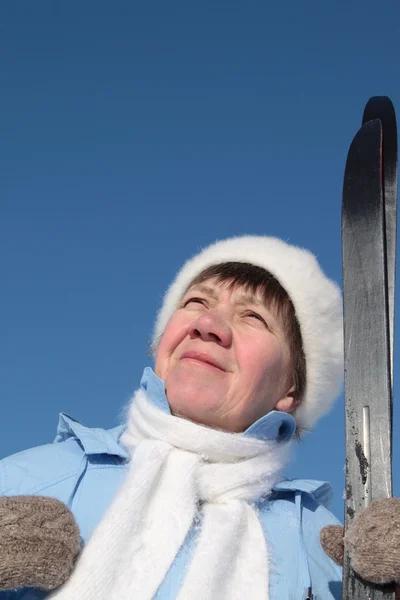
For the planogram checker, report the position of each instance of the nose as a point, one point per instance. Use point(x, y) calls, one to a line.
point(211, 327)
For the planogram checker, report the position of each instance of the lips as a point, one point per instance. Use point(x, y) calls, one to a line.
point(202, 357)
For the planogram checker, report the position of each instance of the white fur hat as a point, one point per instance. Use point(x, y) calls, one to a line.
point(316, 299)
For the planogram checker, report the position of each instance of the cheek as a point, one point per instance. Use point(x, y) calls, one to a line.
point(260, 360)
point(173, 335)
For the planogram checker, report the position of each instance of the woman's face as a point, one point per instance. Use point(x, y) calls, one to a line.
point(224, 358)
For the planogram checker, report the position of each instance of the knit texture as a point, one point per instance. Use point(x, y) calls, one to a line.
point(178, 466)
point(331, 538)
point(39, 542)
point(372, 542)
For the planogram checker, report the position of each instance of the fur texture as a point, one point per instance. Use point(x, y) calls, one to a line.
point(317, 301)
point(39, 542)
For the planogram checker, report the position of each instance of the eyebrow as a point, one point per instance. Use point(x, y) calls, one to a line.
point(204, 289)
point(244, 298)
point(250, 299)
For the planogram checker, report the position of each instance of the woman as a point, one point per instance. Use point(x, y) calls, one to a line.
point(188, 499)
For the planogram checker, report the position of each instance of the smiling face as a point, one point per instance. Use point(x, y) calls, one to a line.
point(224, 357)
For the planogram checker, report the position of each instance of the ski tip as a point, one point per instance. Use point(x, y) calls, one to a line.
point(380, 107)
point(363, 168)
point(365, 144)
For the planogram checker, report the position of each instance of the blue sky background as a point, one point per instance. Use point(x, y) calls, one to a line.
point(134, 133)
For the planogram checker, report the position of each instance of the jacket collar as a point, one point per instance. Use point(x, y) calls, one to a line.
point(321, 491)
point(275, 425)
point(93, 440)
point(101, 441)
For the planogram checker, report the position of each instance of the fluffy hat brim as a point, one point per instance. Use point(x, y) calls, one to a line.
point(316, 299)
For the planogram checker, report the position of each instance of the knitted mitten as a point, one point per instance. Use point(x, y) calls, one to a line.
point(39, 542)
point(372, 542)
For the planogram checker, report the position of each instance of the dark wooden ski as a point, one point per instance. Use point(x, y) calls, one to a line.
point(381, 107)
point(369, 239)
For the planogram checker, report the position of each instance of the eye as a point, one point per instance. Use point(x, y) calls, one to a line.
point(195, 299)
point(257, 317)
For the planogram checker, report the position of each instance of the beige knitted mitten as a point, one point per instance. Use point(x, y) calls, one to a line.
point(39, 542)
point(372, 541)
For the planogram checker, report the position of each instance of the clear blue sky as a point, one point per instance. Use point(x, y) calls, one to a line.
point(133, 133)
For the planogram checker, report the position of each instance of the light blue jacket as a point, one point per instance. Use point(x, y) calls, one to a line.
point(84, 468)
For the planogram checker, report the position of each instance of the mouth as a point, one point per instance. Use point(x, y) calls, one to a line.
point(202, 358)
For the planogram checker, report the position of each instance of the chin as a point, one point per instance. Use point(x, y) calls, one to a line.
point(192, 403)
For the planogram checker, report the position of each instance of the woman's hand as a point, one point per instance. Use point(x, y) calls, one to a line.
point(39, 542)
point(372, 541)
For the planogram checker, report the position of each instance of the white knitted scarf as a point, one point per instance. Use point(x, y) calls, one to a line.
point(179, 468)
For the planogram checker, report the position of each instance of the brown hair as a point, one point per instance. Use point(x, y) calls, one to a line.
point(255, 279)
